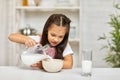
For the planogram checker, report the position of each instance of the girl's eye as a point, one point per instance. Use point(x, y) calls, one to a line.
point(53, 35)
point(61, 37)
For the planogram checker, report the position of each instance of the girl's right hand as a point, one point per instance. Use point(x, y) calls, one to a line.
point(29, 42)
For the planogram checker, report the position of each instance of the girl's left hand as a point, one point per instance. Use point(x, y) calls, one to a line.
point(37, 65)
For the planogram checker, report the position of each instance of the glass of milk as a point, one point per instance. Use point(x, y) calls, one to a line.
point(86, 62)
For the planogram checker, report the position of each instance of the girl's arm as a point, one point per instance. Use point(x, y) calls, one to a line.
point(22, 39)
point(68, 62)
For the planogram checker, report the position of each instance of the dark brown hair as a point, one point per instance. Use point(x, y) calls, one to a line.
point(56, 19)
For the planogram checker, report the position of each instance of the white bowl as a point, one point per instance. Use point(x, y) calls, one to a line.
point(52, 65)
point(29, 59)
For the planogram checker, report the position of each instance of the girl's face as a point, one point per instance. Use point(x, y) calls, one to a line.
point(56, 34)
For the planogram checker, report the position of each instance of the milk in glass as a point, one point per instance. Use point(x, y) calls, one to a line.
point(86, 66)
point(86, 62)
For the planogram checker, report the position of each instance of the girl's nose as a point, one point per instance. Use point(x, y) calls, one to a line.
point(56, 39)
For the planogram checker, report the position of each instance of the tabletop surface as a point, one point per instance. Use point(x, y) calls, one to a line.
point(17, 73)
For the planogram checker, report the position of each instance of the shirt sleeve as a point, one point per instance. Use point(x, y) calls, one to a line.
point(67, 50)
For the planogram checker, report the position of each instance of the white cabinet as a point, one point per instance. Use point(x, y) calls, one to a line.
point(36, 16)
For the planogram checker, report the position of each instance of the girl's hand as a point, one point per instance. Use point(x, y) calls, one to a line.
point(37, 65)
point(29, 42)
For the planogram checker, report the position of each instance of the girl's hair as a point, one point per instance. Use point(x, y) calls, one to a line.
point(59, 20)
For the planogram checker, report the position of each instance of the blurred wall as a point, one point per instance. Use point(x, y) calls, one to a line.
point(94, 18)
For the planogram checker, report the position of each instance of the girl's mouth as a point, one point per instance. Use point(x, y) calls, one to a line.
point(54, 43)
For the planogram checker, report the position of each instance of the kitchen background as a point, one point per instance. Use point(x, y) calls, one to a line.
point(89, 21)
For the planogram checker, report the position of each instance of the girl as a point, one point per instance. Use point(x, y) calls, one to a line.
point(55, 33)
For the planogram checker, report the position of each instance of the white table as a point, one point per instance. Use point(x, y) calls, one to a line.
point(16, 73)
